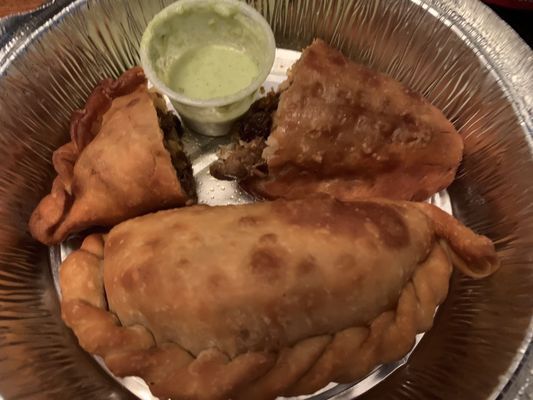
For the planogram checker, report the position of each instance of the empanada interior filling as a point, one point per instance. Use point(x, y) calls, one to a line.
point(244, 158)
point(172, 133)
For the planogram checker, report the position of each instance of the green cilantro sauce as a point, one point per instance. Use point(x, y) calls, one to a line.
point(210, 58)
point(212, 71)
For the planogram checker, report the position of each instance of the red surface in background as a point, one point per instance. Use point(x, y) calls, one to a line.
point(16, 6)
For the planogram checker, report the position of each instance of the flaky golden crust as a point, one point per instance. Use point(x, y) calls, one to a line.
point(280, 305)
point(115, 167)
point(345, 130)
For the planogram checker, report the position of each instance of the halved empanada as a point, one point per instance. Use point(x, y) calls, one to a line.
point(343, 129)
point(124, 159)
point(268, 299)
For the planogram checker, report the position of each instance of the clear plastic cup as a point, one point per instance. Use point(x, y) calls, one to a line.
point(190, 24)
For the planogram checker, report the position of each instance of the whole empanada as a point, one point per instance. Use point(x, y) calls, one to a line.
point(268, 299)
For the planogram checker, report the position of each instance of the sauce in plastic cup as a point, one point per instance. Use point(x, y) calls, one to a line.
point(209, 57)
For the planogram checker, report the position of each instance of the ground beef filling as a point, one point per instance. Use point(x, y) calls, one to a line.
point(173, 132)
point(257, 122)
point(244, 159)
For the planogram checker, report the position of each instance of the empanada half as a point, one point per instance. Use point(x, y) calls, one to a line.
point(345, 130)
point(125, 159)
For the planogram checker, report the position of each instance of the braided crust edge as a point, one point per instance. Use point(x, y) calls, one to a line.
point(303, 368)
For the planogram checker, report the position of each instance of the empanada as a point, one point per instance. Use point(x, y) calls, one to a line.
point(124, 159)
point(343, 129)
point(267, 299)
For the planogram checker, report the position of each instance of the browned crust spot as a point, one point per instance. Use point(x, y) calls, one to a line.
point(348, 218)
point(267, 263)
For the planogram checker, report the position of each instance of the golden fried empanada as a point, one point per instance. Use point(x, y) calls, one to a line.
point(124, 159)
point(267, 299)
point(343, 129)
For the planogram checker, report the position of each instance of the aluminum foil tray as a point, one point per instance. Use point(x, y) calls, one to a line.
point(456, 53)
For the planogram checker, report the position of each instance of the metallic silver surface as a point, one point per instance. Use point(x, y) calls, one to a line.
point(457, 53)
point(202, 152)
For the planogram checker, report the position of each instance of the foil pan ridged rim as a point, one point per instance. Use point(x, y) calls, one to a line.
point(498, 47)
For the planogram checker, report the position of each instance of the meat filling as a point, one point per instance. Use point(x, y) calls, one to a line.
point(240, 160)
point(172, 132)
point(244, 159)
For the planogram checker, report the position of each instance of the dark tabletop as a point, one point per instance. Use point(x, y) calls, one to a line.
point(520, 20)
